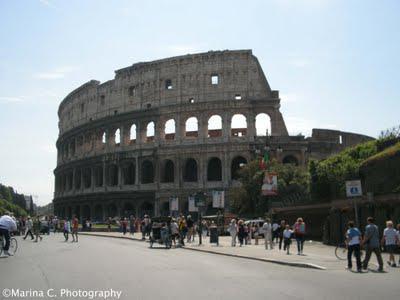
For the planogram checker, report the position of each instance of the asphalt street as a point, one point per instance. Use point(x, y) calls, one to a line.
point(101, 264)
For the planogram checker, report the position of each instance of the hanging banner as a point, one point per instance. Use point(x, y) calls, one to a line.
point(173, 204)
point(192, 204)
point(218, 199)
point(270, 184)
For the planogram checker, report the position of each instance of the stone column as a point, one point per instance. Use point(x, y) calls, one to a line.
point(251, 127)
point(104, 176)
point(226, 126)
point(119, 175)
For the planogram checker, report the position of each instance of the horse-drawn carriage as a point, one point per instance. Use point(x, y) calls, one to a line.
point(161, 232)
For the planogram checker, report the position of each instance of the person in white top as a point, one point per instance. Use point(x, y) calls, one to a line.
point(267, 230)
point(7, 225)
point(390, 241)
point(29, 226)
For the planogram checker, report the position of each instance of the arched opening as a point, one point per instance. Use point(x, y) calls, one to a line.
point(164, 209)
point(214, 169)
point(214, 126)
point(117, 137)
point(147, 209)
point(78, 179)
point(98, 213)
point(191, 127)
point(263, 124)
point(112, 175)
point(86, 212)
point(190, 170)
point(170, 129)
point(129, 172)
point(237, 163)
point(112, 210)
point(69, 212)
point(128, 210)
point(132, 134)
point(238, 125)
point(104, 138)
point(87, 178)
point(147, 172)
point(98, 176)
point(168, 171)
point(150, 132)
point(290, 159)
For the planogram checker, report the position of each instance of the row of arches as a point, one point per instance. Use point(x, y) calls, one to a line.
point(214, 127)
point(100, 212)
point(127, 173)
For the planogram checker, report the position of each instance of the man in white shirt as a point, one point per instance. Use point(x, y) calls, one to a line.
point(267, 230)
point(7, 225)
point(390, 241)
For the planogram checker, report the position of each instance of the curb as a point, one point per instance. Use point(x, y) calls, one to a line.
point(265, 260)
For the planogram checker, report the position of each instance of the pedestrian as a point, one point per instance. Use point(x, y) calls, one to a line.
point(174, 231)
point(371, 243)
point(241, 232)
point(55, 224)
point(299, 233)
point(267, 230)
point(204, 228)
point(29, 226)
point(189, 224)
point(75, 227)
point(232, 229)
point(66, 229)
point(182, 230)
point(281, 229)
point(132, 225)
point(275, 232)
point(390, 241)
point(353, 239)
point(109, 221)
point(287, 234)
point(36, 228)
point(124, 224)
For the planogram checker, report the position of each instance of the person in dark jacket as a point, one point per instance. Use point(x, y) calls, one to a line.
point(241, 232)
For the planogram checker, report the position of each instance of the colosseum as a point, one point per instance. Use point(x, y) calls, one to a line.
point(171, 128)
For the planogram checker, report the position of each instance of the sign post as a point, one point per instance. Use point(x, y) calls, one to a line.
point(354, 189)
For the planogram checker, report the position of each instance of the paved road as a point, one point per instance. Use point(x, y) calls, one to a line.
point(142, 273)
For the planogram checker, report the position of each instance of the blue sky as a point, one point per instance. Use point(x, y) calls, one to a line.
point(336, 63)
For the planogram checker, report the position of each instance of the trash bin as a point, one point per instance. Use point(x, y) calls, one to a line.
point(213, 235)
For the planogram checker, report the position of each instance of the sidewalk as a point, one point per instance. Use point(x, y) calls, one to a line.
point(316, 255)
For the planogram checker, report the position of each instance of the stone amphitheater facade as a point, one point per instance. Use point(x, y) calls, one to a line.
point(116, 158)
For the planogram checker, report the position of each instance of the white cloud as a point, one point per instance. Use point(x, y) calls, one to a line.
point(57, 73)
point(290, 97)
point(298, 125)
point(46, 3)
point(299, 62)
point(11, 99)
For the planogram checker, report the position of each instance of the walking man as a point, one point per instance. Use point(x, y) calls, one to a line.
point(371, 242)
point(267, 230)
point(390, 241)
point(29, 226)
point(353, 239)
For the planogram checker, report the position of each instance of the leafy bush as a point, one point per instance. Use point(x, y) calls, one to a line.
point(7, 206)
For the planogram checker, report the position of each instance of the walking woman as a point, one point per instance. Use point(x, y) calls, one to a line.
point(299, 233)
